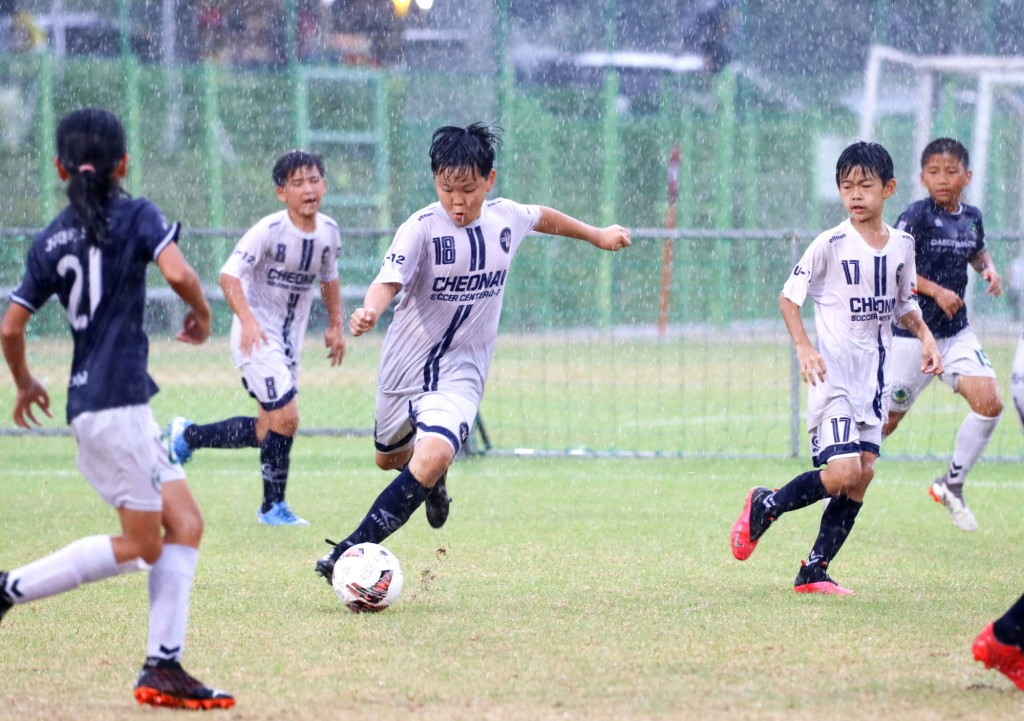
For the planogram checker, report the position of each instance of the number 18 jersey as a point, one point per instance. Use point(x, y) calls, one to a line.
point(445, 326)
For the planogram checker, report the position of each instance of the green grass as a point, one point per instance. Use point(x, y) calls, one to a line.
point(561, 588)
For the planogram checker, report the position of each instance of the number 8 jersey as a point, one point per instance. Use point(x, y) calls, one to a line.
point(446, 324)
point(104, 293)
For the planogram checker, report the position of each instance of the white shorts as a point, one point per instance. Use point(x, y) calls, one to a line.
point(270, 376)
point(840, 436)
point(402, 418)
point(121, 454)
point(962, 355)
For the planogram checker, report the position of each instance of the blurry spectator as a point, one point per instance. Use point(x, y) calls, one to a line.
point(709, 31)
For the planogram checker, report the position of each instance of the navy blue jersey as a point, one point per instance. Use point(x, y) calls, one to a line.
point(945, 244)
point(104, 293)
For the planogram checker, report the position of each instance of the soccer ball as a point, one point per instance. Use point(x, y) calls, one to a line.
point(367, 577)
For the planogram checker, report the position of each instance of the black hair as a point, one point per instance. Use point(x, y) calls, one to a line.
point(871, 158)
point(292, 161)
point(454, 149)
point(90, 144)
point(946, 146)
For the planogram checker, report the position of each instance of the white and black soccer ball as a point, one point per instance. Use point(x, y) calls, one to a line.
point(367, 577)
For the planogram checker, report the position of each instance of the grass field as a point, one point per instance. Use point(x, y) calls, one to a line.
point(561, 588)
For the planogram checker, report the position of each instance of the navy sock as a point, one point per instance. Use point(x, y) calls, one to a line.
point(238, 432)
point(1009, 628)
point(802, 491)
point(275, 457)
point(388, 513)
point(836, 523)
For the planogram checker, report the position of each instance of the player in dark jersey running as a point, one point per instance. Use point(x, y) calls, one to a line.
point(93, 256)
point(948, 236)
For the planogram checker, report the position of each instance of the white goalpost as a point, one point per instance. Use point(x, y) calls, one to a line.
point(993, 73)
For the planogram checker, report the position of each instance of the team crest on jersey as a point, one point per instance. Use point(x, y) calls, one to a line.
point(506, 239)
point(901, 394)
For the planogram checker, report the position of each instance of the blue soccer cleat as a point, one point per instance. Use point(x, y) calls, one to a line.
point(280, 514)
point(180, 451)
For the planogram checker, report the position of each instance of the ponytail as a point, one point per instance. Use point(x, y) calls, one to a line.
point(90, 145)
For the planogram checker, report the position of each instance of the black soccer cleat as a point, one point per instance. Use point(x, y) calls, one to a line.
point(814, 578)
point(325, 564)
point(5, 600)
point(163, 682)
point(438, 502)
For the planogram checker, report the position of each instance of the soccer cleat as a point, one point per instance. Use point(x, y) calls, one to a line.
point(958, 510)
point(437, 503)
point(5, 599)
point(751, 524)
point(280, 514)
point(163, 682)
point(325, 564)
point(1006, 659)
point(180, 452)
point(812, 578)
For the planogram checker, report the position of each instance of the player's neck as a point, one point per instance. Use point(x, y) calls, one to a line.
point(873, 231)
point(303, 223)
point(952, 206)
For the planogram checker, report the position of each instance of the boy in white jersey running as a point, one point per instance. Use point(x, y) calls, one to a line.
point(861, 277)
point(268, 282)
point(451, 259)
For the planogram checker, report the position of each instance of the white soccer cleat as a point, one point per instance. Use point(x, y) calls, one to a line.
point(958, 510)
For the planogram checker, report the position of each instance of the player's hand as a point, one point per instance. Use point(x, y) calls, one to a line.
point(948, 302)
point(931, 359)
point(995, 284)
point(33, 393)
point(812, 365)
point(252, 338)
point(334, 339)
point(362, 321)
point(194, 330)
point(613, 238)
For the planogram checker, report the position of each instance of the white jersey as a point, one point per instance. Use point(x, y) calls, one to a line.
point(858, 293)
point(278, 265)
point(444, 330)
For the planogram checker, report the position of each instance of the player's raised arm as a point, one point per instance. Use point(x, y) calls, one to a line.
point(378, 298)
point(555, 222)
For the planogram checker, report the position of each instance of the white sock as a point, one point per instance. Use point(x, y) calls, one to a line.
point(971, 441)
point(170, 584)
point(87, 559)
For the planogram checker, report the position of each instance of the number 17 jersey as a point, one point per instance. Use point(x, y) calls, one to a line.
point(445, 326)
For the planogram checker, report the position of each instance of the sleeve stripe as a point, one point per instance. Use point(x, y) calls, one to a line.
point(22, 302)
point(172, 235)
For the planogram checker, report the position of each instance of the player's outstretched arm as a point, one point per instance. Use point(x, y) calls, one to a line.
point(334, 337)
point(555, 222)
point(812, 365)
point(987, 270)
point(183, 280)
point(30, 391)
point(378, 298)
point(252, 332)
point(931, 358)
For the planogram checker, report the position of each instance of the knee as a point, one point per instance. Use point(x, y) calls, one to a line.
point(186, 529)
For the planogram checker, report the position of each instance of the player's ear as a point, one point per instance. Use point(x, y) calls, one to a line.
point(121, 169)
point(889, 189)
point(490, 178)
point(62, 172)
point(280, 193)
point(969, 175)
